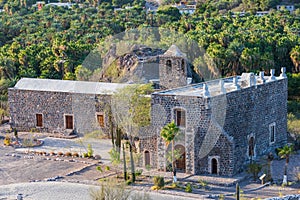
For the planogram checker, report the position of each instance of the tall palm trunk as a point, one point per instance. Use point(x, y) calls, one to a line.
point(132, 162)
point(285, 179)
point(173, 161)
point(124, 160)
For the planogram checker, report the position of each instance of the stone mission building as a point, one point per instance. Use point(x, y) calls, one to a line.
point(223, 123)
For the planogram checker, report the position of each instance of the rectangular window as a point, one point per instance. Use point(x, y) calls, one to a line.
point(69, 121)
point(272, 131)
point(100, 119)
point(180, 118)
point(39, 120)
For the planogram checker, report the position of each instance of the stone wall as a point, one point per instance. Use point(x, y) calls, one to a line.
point(222, 125)
point(25, 104)
point(249, 112)
point(173, 76)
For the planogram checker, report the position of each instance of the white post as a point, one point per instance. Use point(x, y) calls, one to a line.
point(222, 88)
point(252, 80)
point(262, 76)
point(205, 92)
point(283, 72)
point(272, 77)
point(284, 182)
point(235, 83)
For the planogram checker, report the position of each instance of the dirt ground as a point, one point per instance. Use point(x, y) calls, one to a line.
point(18, 167)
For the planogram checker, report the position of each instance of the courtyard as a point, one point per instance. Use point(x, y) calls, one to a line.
point(34, 170)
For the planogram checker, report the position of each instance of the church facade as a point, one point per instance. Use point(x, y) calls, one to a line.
point(224, 123)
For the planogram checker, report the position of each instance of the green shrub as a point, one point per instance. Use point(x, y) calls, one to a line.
point(159, 181)
point(90, 151)
point(85, 155)
point(138, 172)
point(202, 183)
point(189, 188)
point(128, 182)
point(254, 169)
point(99, 168)
point(28, 142)
point(107, 168)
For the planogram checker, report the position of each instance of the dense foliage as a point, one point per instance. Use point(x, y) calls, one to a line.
point(54, 41)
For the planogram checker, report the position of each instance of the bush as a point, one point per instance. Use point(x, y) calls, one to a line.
point(110, 190)
point(99, 168)
point(90, 151)
point(159, 181)
point(7, 140)
point(189, 188)
point(85, 155)
point(138, 172)
point(128, 182)
point(202, 183)
point(254, 169)
point(155, 187)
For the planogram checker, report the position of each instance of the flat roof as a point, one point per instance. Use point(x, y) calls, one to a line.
point(214, 87)
point(53, 85)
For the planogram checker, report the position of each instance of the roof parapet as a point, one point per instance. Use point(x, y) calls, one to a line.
point(283, 72)
point(272, 77)
point(261, 77)
point(222, 88)
point(236, 86)
point(205, 92)
point(225, 85)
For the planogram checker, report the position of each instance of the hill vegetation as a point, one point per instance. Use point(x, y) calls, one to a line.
point(54, 41)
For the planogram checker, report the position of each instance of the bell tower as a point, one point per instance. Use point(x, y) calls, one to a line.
point(173, 70)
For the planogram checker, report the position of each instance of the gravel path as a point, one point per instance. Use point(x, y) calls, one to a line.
point(64, 191)
point(46, 191)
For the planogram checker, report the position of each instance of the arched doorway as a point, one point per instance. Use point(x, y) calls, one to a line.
point(180, 162)
point(214, 166)
point(147, 158)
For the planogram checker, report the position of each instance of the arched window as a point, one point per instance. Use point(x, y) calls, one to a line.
point(251, 147)
point(169, 66)
point(147, 158)
point(183, 65)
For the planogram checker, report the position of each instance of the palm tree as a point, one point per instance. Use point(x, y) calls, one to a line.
point(295, 57)
point(285, 152)
point(168, 133)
